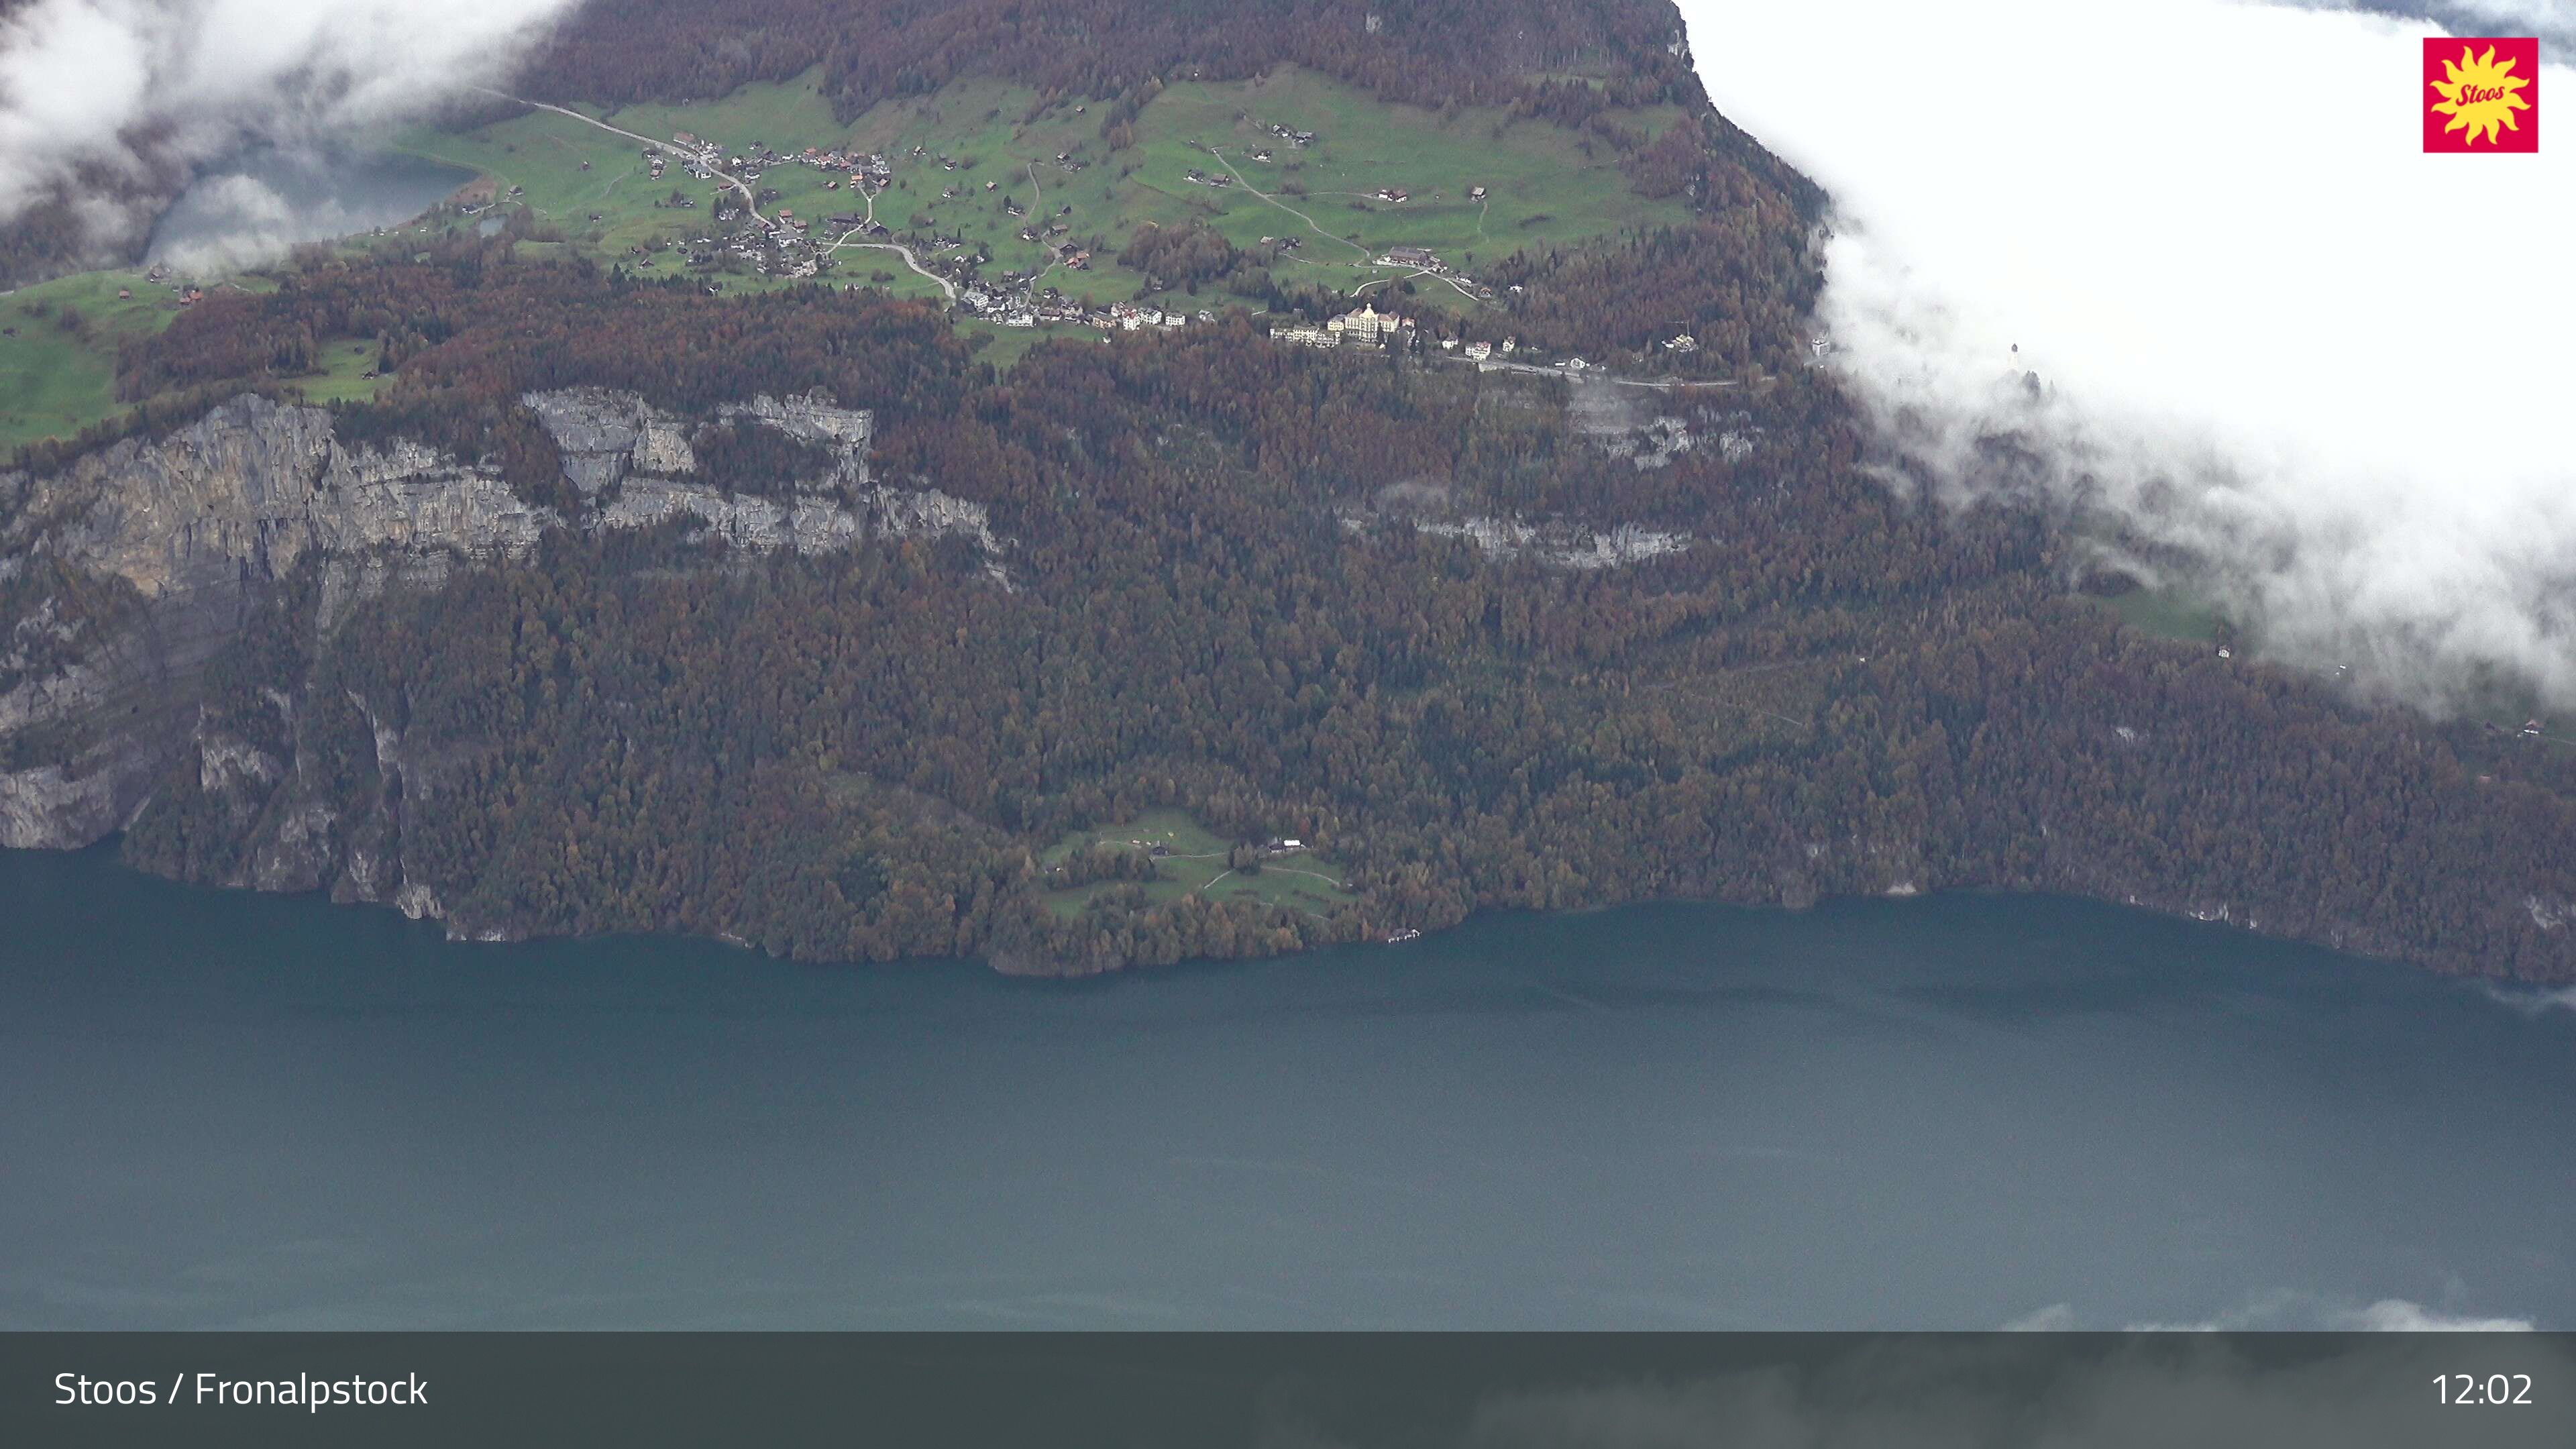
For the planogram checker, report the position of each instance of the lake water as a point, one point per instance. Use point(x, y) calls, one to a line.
point(253, 208)
point(232, 1110)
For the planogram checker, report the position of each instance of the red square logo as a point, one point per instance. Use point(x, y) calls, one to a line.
point(2481, 94)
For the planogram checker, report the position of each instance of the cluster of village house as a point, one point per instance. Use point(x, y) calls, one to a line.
point(1369, 327)
point(704, 159)
point(784, 244)
point(188, 295)
point(1028, 307)
point(781, 245)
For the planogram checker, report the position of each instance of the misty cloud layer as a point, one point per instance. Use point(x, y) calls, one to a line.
point(142, 89)
point(267, 201)
point(2554, 21)
point(1935, 1393)
point(2313, 375)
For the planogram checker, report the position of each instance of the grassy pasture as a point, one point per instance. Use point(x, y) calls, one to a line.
point(1548, 186)
point(55, 381)
point(989, 147)
point(1196, 865)
point(2168, 615)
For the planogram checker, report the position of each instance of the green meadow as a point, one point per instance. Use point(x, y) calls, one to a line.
point(1196, 866)
point(58, 344)
point(1545, 185)
point(990, 168)
point(997, 162)
point(2167, 614)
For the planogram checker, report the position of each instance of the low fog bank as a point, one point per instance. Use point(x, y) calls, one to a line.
point(1937, 1392)
point(2287, 362)
point(2554, 21)
point(104, 103)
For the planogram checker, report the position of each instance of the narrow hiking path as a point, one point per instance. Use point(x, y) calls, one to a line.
point(1366, 255)
point(1311, 223)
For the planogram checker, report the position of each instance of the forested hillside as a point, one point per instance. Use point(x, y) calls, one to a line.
point(1470, 638)
point(1238, 580)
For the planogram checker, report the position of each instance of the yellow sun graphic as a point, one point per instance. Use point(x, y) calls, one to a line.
point(2480, 95)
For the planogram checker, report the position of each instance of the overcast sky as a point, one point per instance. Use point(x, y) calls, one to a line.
point(2275, 331)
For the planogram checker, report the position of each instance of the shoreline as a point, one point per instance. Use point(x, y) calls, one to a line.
point(109, 852)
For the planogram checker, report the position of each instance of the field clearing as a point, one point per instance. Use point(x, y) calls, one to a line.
point(2167, 615)
point(1010, 344)
point(1546, 185)
point(1301, 881)
point(343, 376)
point(54, 382)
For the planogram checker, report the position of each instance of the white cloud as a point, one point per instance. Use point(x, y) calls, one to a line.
point(2055, 1318)
point(2536, 1001)
point(132, 86)
point(242, 221)
point(1934, 1392)
point(2274, 334)
point(2554, 21)
point(2396, 1315)
point(2281, 1309)
point(2276, 1309)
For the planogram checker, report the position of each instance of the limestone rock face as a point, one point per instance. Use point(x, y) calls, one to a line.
point(607, 436)
point(122, 575)
point(808, 525)
point(815, 419)
point(604, 435)
point(247, 491)
point(1554, 544)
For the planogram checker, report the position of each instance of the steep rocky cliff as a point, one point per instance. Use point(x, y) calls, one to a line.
point(123, 575)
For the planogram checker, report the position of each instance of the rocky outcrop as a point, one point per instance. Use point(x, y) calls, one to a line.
point(605, 435)
point(811, 418)
point(1564, 545)
point(154, 552)
point(1556, 545)
point(246, 492)
point(806, 525)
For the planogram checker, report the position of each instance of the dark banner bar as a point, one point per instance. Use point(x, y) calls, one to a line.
point(1293, 1391)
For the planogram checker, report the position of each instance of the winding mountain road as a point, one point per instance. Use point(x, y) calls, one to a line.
point(750, 201)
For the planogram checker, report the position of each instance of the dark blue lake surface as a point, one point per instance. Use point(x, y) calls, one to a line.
point(233, 1110)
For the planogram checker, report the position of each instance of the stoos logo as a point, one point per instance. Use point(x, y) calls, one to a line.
point(2481, 94)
